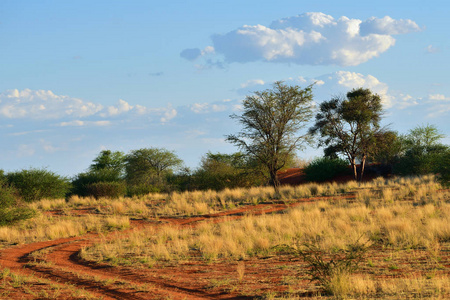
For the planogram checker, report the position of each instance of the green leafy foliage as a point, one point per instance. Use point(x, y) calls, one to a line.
point(141, 189)
point(82, 181)
point(271, 120)
point(106, 189)
point(150, 166)
point(10, 208)
point(325, 168)
point(350, 126)
point(443, 167)
point(110, 160)
point(37, 184)
point(219, 171)
point(8, 194)
point(423, 153)
point(13, 214)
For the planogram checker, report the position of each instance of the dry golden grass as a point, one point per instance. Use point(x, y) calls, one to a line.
point(45, 227)
point(397, 214)
point(363, 286)
point(401, 225)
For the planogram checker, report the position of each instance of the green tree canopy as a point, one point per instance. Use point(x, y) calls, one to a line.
point(148, 165)
point(350, 126)
point(423, 153)
point(423, 138)
point(271, 120)
point(110, 160)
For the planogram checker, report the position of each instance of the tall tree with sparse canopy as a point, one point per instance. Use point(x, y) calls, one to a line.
point(350, 126)
point(271, 120)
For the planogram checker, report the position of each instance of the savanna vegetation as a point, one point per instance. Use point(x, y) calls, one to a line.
point(142, 225)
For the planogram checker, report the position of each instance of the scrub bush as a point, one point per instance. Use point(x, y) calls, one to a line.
point(107, 189)
point(82, 181)
point(322, 169)
point(10, 210)
point(37, 184)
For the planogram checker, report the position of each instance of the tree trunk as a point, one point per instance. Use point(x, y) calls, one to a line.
point(275, 182)
point(355, 172)
point(363, 162)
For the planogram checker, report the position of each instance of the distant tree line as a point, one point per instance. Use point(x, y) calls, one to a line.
point(347, 128)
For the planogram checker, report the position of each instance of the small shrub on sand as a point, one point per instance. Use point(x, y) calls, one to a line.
point(331, 269)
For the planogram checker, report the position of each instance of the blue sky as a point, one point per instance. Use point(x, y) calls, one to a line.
point(77, 77)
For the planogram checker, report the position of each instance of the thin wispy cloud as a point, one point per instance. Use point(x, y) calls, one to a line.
point(432, 49)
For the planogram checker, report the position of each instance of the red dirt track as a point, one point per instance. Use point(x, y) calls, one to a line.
point(180, 281)
point(195, 279)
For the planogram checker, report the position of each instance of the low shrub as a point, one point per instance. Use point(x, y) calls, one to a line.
point(13, 214)
point(324, 168)
point(443, 167)
point(8, 194)
point(82, 181)
point(329, 268)
point(36, 184)
point(106, 189)
point(142, 189)
point(10, 211)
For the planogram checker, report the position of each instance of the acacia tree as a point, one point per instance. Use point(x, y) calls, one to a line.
point(110, 160)
point(271, 120)
point(350, 126)
point(423, 151)
point(142, 165)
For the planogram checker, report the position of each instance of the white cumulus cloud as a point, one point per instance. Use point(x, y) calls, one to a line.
point(344, 81)
point(312, 38)
point(121, 107)
point(41, 104)
point(168, 114)
point(252, 82)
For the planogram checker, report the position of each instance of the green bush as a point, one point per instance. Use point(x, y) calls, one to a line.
point(107, 189)
point(10, 211)
point(219, 171)
point(83, 180)
point(142, 189)
point(442, 167)
point(36, 184)
point(324, 168)
point(423, 160)
point(8, 195)
point(14, 214)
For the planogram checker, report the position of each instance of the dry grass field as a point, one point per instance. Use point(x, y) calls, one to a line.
point(384, 239)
